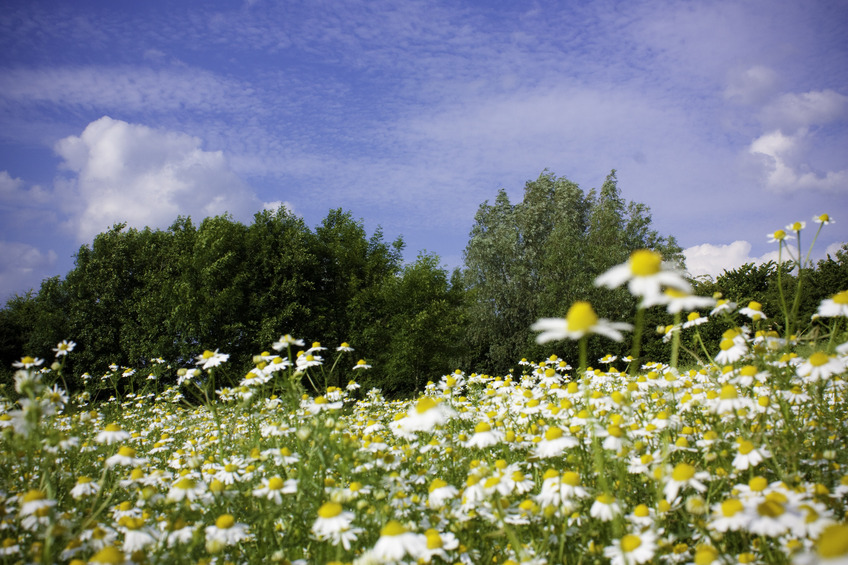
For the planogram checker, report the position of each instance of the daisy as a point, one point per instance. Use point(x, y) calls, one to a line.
point(749, 456)
point(729, 515)
point(605, 508)
point(425, 415)
point(28, 362)
point(820, 367)
point(554, 443)
point(333, 525)
point(440, 492)
point(345, 346)
point(361, 364)
point(64, 347)
point(677, 301)
point(111, 434)
point(306, 360)
point(644, 275)
point(186, 489)
point(226, 531)
point(286, 341)
point(320, 404)
point(823, 219)
point(580, 321)
point(136, 535)
point(796, 226)
point(437, 543)
point(694, 319)
point(754, 310)
point(723, 305)
point(836, 305)
point(209, 359)
point(84, 487)
point(275, 487)
point(683, 476)
point(126, 456)
point(632, 548)
point(731, 351)
point(484, 436)
point(396, 542)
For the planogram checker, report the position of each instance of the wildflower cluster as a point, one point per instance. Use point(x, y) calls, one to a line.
point(738, 459)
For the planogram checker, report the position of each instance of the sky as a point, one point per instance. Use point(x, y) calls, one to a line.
point(729, 119)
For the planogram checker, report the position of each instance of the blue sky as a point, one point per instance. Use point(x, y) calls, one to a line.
point(728, 118)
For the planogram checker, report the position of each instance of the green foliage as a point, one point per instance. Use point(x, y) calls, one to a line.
point(759, 283)
point(537, 257)
point(136, 297)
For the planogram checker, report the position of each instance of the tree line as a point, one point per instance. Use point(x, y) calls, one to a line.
point(137, 296)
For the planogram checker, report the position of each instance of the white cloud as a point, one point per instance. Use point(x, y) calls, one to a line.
point(751, 86)
point(785, 151)
point(782, 158)
point(712, 260)
point(146, 177)
point(276, 204)
point(790, 111)
point(22, 266)
point(13, 191)
point(125, 88)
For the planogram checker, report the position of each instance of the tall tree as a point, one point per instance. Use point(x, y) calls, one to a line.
point(539, 256)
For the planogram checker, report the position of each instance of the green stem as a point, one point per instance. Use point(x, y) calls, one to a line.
point(675, 339)
point(637, 340)
point(583, 355)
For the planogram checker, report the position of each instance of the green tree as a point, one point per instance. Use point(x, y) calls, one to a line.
point(425, 326)
point(536, 258)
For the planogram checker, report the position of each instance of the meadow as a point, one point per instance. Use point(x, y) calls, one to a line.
point(728, 456)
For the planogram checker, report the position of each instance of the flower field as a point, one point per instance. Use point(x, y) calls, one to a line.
point(738, 458)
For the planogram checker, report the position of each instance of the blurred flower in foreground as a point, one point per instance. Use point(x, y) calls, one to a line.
point(644, 275)
point(836, 305)
point(580, 321)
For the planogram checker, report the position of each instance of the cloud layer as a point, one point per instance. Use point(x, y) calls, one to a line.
point(131, 173)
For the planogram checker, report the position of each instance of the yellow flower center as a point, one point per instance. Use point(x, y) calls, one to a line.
point(683, 472)
point(482, 427)
point(644, 263)
point(275, 483)
point(225, 522)
point(797, 226)
point(553, 433)
point(606, 499)
point(581, 317)
point(125, 451)
point(841, 297)
point(731, 507)
point(330, 510)
point(437, 483)
point(393, 528)
point(728, 392)
point(630, 542)
point(824, 218)
point(434, 540)
point(834, 541)
point(818, 359)
point(425, 404)
point(34, 495)
point(208, 354)
point(758, 484)
point(770, 508)
point(109, 554)
point(746, 447)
